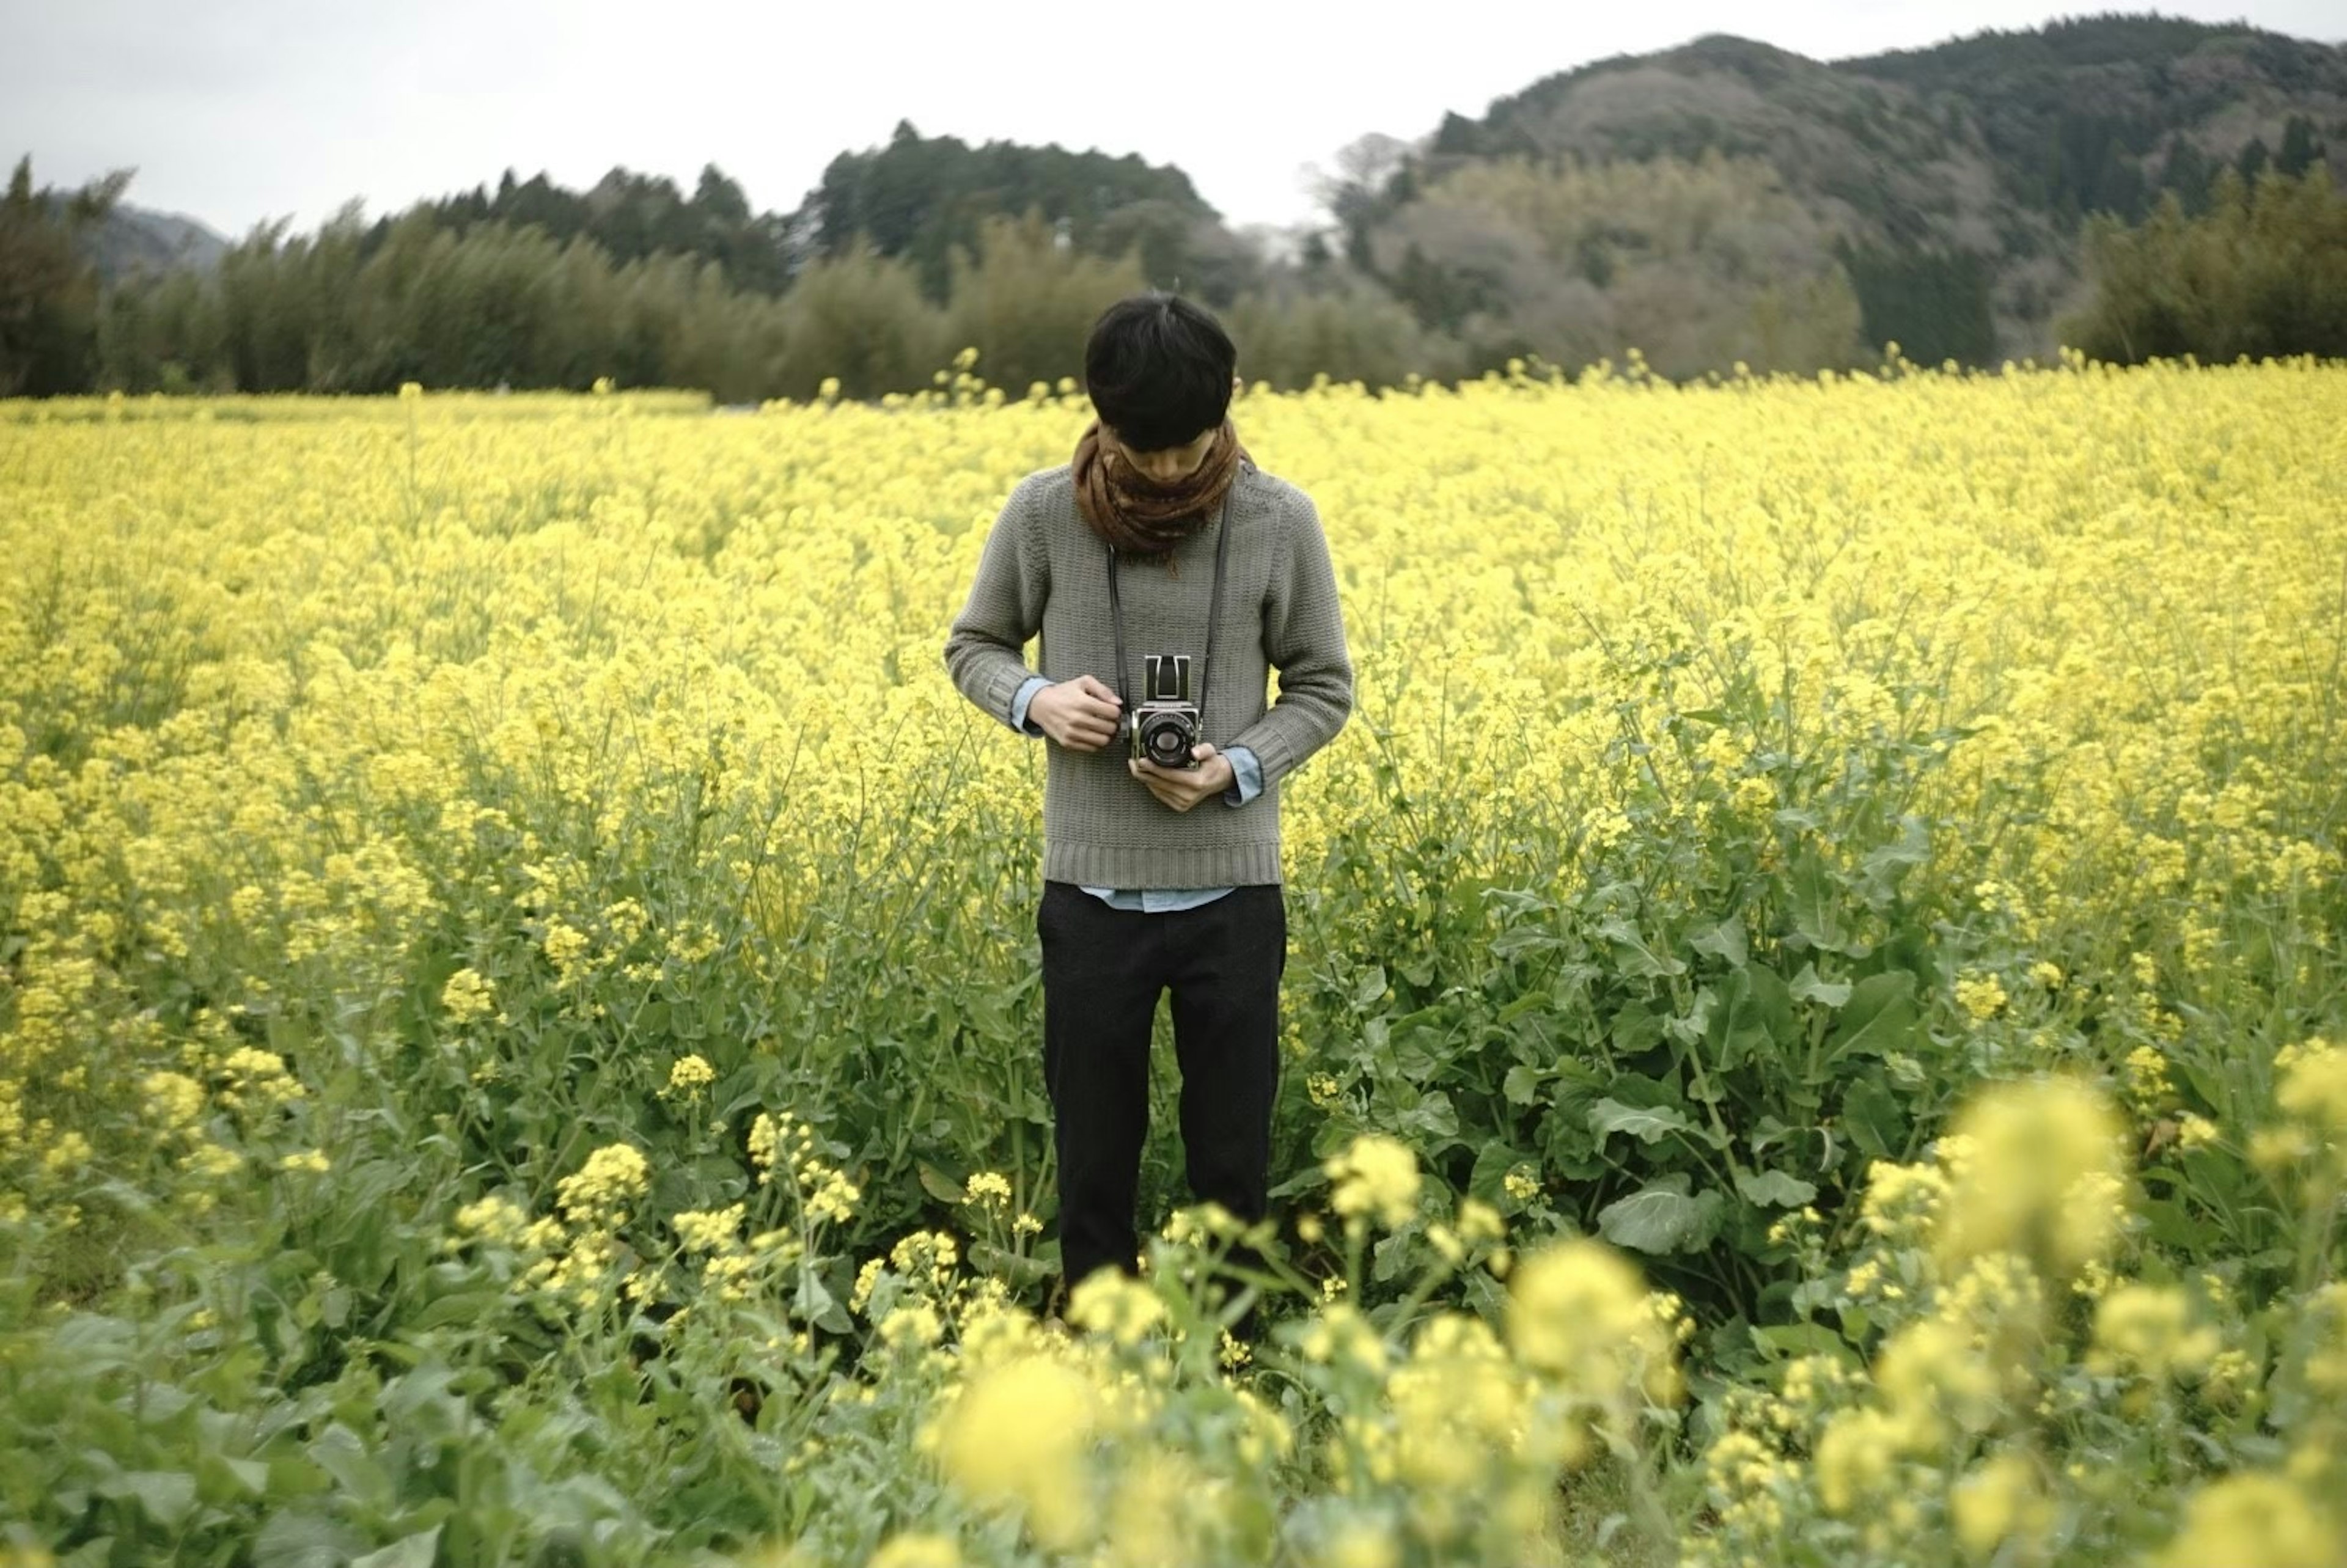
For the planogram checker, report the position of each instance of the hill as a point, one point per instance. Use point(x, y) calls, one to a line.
point(1946, 185)
point(133, 241)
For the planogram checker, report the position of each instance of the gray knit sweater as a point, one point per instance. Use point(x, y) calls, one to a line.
point(1043, 569)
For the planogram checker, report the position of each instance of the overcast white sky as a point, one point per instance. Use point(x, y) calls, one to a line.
point(234, 111)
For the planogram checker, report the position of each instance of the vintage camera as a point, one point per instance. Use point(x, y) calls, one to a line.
point(1165, 721)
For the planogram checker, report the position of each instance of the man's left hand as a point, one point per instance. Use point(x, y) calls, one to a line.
point(1182, 788)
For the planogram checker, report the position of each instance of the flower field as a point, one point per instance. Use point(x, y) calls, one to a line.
point(1816, 1024)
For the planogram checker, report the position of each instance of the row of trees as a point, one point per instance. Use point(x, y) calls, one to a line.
point(349, 310)
point(1700, 265)
point(2261, 270)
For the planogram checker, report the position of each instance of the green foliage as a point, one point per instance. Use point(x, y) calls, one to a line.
point(632, 218)
point(923, 198)
point(1934, 305)
point(1028, 301)
point(2263, 271)
point(48, 292)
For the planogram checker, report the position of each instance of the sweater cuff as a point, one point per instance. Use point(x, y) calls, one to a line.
point(1274, 757)
point(1027, 689)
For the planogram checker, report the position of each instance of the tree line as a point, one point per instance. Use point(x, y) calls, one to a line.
point(1702, 263)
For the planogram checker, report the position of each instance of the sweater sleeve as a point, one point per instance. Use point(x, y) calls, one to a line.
point(1304, 637)
point(985, 649)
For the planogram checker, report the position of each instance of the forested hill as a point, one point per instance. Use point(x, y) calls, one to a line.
point(1946, 184)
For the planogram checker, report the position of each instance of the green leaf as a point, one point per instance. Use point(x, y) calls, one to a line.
point(1783, 1339)
point(410, 1551)
point(1369, 986)
point(1661, 1217)
point(295, 1539)
point(1636, 1028)
point(1817, 901)
point(1632, 956)
point(1757, 1020)
point(340, 1452)
point(1645, 1124)
point(165, 1496)
point(1879, 1017)
point(1806, 987)
point(1884, 866)
point(1724, 941)
point(1871, 1114)
point(1521, 1085)
point(946, 1189)
point(1774, 1189)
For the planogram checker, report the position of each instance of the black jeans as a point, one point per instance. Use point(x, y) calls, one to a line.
point(1103, 969)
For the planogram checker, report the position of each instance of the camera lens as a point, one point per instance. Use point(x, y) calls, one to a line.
point(1163, 743)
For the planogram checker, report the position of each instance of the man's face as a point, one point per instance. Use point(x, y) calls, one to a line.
point(1167, 465)
point(1172, 464)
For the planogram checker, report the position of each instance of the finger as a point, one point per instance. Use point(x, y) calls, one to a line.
point(1203, 750)
point(1093, 686)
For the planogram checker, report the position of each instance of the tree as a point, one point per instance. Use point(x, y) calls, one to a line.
point(48, 291)
point(2262, 272)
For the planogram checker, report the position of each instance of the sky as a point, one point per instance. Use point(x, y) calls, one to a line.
point(237, 111)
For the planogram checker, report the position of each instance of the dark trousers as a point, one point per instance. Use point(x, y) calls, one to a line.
point(1103, 969)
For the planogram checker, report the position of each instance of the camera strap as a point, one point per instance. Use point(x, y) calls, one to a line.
point(1214, 614)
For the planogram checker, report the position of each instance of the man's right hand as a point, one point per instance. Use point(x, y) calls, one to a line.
point(1080, 714)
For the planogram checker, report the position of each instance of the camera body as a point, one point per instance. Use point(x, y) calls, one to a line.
point(1165, 723)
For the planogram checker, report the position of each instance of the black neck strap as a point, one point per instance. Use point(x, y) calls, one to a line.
point(1213, 613)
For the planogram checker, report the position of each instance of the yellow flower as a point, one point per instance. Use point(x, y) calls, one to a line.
point(1982, 996)
point(2043, 1180)
point(988, 1190)
point(2150, 1328)
point(2313, 1093)
point(600, 1191)
point(1999, 1499)
point(917, 1325)
point(1123, 1308)
point(467, 996)
point(1359, 1544)
point(1934, 1382)
point(1855, 1455)
point(918, 1549)
point(687, 1077)
point(2251, 1518)
point(1577, 1311)
point(1375, 1176)
point(709, 1230)
point(1018, 1433)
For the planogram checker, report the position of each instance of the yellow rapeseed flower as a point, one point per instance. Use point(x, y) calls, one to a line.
point(2044, 1179)
point(1374, 1177)
point(1018, 1434)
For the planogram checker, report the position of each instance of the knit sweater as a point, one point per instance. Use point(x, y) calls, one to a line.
point(1043, 569)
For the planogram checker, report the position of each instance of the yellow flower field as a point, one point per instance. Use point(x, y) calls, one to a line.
point(1814, 1011)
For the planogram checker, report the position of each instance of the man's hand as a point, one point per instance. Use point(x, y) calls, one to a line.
point(1080, 714)
point(1182, 788)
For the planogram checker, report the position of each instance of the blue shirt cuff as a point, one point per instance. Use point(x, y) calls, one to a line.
point(1027, 689)
point(1247, 776)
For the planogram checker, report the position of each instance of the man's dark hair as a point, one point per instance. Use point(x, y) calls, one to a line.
point(1159, 371)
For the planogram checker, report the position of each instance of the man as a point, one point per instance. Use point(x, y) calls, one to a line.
point(1158, 875)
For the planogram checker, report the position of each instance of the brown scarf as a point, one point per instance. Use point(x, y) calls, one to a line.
point(1134, 513)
